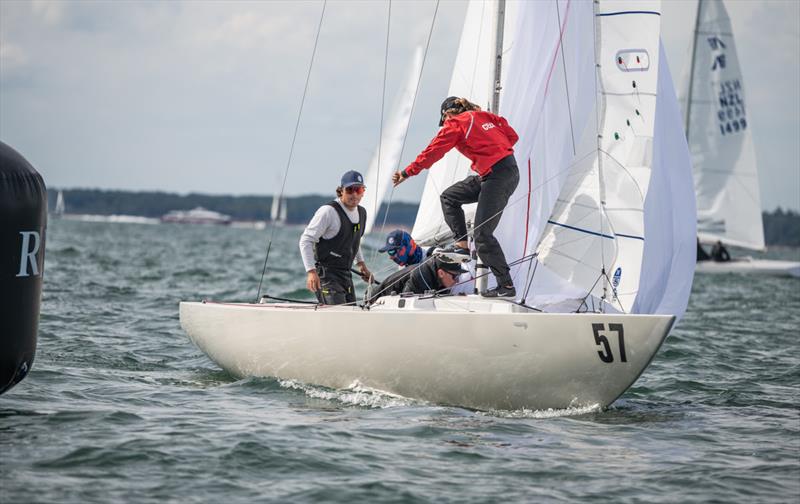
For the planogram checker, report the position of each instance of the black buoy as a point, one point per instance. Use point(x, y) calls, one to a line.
point(23, 221)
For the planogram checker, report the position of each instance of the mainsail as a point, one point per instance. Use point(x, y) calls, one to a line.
point(586, 87)
point(718, 131)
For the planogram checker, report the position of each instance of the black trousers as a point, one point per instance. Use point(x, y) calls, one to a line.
point(491, 193)
point(336, 286)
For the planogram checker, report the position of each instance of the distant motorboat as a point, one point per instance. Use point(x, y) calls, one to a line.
point(197, 215)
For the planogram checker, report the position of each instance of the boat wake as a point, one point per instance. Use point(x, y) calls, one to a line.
point(354, 395)
point(547, 413)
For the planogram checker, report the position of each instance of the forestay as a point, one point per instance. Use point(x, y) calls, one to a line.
point(718, 129)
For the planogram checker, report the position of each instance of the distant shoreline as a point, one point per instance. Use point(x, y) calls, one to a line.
point(153, 205)
point(781, 227)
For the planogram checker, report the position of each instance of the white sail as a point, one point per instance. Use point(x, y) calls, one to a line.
point(379, 174)
point(595, 235)
point(473, 78)
point(718, 129)
point(60, 206)
point(548, 97)
point(669, 258)
point(274, 211)
point(283, 211)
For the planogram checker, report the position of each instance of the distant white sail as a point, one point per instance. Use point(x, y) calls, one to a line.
point(275, 209)
point(60, 205)
point(718, 131)
point(380, 172)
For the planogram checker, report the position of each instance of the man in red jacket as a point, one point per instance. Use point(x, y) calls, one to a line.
point(487, 140)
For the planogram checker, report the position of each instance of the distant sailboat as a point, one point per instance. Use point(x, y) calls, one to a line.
point(387, 157)
point(60, 206)
point(277, 213)
point(718, 130)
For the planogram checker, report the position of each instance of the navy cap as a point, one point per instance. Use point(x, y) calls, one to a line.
point(352, 178)
point(452, 267)
point(448, 103)
point(394, 240)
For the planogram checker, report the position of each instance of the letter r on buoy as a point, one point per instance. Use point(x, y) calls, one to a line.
point(28, 256)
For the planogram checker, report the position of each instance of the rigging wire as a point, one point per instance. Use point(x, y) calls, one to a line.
point(413, 107)
point(383, 102)
point(291, 149)
point(601, 211)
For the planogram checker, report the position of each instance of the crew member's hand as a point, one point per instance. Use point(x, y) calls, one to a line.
point(312, 281)
point(366, 275)
point(398, 178)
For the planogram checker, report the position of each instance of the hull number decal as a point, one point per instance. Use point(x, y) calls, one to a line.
point(605, 353)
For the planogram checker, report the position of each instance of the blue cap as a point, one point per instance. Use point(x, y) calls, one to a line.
point(352, 178)
point(395, 240)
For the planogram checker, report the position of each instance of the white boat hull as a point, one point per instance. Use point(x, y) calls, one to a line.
point(495, 356)
point(748, 265)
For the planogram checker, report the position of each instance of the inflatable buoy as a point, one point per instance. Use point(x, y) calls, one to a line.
point(23, 220)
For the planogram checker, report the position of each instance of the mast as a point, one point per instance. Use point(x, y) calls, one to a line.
point(501, 14)
point(688, 107)
point(482, 281)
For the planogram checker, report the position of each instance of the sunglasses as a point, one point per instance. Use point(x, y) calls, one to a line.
point(454, 276)
point(357, 189)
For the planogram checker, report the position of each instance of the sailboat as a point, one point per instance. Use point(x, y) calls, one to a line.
point(386, 159)
point(277, 213)
point(719, 133)
point(602, 256)
point(60, 208)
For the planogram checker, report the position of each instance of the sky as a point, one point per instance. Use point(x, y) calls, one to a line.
point(203, 96)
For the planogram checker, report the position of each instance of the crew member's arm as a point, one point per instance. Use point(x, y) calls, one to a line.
point(362, 266)
point(325, 221)
point(445, 140)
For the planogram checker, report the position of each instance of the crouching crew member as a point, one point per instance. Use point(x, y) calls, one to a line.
point(434, 275)
point(331, 242)
point(403, 250)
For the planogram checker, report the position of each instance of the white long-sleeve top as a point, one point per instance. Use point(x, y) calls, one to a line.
point(325, 224)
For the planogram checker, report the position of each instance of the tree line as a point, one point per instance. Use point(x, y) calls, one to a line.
point(781, 227)
point(299, 209)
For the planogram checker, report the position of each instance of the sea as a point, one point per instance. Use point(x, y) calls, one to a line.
point(121, 407)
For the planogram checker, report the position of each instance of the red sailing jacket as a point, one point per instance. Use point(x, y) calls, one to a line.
point(483, 137)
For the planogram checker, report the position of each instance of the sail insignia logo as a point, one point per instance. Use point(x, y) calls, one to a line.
point(617, 277)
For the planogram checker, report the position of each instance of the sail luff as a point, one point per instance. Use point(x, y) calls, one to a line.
point(691, 68)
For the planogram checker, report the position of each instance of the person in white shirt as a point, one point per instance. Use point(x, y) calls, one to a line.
point(331, 242)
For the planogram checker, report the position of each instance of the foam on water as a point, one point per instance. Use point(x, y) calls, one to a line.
point(354, 395)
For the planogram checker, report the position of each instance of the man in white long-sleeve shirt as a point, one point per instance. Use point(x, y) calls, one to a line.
point(331, 242)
